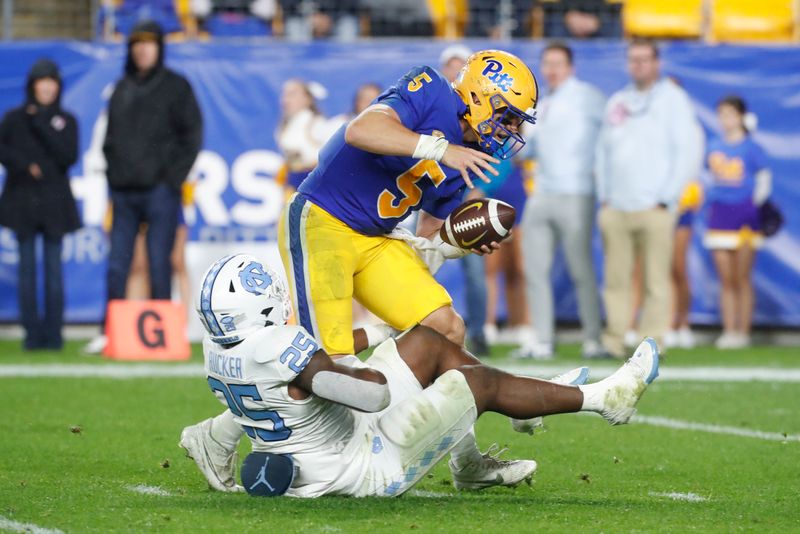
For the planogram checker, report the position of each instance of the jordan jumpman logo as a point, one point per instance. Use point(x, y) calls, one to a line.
point(262, 477)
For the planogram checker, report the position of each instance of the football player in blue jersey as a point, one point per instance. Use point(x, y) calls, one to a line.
point(416, 148)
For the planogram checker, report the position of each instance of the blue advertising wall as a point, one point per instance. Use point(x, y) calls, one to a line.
point(238, 86)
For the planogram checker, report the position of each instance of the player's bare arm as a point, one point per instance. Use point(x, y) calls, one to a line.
point(378, 130)
point(360, 341)
point(362, 389)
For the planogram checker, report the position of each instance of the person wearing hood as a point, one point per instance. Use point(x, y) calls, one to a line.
point(154, 134)
point(38, 145)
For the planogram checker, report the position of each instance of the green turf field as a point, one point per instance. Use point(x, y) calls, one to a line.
point(74, 452)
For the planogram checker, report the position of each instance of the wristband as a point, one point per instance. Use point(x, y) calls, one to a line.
point(430, 147)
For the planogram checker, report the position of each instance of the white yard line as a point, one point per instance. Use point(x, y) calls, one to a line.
point(182, 370)
point(110, 370)
point(16, 526)
point(688, 374)
point(675, 496)
point(149, 490)
point(666, 422)
point(427, 494)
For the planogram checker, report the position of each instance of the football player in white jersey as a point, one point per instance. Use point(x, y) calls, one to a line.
point(353, 428)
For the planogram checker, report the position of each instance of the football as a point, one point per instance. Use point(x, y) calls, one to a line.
point(478, 222)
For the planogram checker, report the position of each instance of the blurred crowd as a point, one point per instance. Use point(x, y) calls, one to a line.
point(349, 19)
point(717, 20)
point(632, 163)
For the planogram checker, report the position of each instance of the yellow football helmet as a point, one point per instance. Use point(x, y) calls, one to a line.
point(500, 91)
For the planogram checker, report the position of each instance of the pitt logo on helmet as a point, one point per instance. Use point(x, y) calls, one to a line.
point(494, 71)
point(500, 92)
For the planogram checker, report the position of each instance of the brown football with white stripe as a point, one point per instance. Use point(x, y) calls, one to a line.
point(478, 222)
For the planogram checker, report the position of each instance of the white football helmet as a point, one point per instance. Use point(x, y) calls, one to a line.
point(240, 295)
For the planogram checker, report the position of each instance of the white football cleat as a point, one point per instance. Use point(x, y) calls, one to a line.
point(594, 350)
point(575, 377)
point(491, 471)
point(534, 350)
point(95, 346)
point(619, 393)
point(686, 338)
point(671, 339)
point(631, 338)
point(216, 463)
point(732, 340)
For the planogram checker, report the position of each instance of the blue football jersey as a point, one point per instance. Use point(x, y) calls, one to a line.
point(372, 193)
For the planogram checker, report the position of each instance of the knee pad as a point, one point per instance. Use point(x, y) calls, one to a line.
point(447, 401)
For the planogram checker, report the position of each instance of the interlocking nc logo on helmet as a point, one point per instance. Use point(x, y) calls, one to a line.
point(228, 323)
point(254, 279)
point(494, 71)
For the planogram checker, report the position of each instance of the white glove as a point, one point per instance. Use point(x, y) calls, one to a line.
point(433, 252)
point(763, 188)
point(378, 333)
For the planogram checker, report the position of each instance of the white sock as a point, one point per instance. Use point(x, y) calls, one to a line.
point(466, 450)
point(593, 396)
point(225, 431)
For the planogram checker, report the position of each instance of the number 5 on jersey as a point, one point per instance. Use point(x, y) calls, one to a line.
point(390, 206)
point(416, 84)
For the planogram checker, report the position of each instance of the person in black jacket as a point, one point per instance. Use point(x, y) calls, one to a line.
point(154, 135)
point(38, 144)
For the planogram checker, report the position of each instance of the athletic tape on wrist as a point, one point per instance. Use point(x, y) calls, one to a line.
point(378, 333)
point(430, 147)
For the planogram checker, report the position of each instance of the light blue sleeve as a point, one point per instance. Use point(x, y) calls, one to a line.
point(594, 105)
point(529, 151)
point(683, 138)
point(600, 162)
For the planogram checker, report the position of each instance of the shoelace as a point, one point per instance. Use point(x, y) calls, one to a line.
point(493, 454)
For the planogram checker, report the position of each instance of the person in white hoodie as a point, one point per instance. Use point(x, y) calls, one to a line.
point(645, 156)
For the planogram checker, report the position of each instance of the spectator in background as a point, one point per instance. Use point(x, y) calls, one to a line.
point(451, 61)
point(680, 334)
point(154, 134)
point(582, 19)
point(741, 183)
point(561, 209)
point(507, 187)
point(138, 286)
point(365, 94)
point(303, 130)
point(500, 20)
point(644, 158)
point(398, 18)
point(120, 17)
point(241, 18)
point(38, 145)
point(319, 19)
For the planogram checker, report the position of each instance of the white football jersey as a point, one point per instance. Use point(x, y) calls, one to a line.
point(252, 379)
